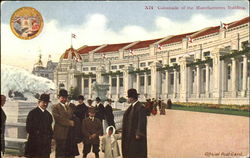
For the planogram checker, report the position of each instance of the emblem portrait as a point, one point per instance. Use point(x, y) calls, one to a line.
point(26, 23)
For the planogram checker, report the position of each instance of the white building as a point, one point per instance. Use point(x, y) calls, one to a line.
point(210, 65)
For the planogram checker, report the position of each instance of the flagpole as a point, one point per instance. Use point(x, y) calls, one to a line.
point(71, 40)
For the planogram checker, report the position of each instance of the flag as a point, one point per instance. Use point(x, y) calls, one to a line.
point(223, 25)
point(131, 52)
point(159, 46)
point(73, 35)
point(190, 39)
point(103, 56)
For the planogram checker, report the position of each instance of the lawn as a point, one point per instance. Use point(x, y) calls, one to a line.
point(212, 110)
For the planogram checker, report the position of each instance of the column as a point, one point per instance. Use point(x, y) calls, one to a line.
point(175, 83)
point(154, 78)
point(118, 86)
point(166, 83)
point(110, 86)
point(83, 85)
point(127, 84)
point(198, 81)
point(217, 73)
point(244, 79)
point(184, 70)
point(234, 78)
point(90, 87)
point(207, 80)
point(138, 82)
point(145, 84)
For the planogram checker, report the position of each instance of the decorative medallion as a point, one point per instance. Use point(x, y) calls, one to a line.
point(26, 23)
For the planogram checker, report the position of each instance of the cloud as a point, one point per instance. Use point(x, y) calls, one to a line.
point(95, 30)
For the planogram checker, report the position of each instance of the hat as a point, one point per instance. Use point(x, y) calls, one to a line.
point(80, 97)
point(109, 100)
point(132, 93)
point(44, 97)
point(98, 99)
point(63, 93)
point(91, 110)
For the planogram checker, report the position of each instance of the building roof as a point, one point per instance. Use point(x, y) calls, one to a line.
point(147, 43)
point(239, 22)
point(112, 47)
point(87, 49)
point(71, 53)
point(177, 38)
point(143, 44)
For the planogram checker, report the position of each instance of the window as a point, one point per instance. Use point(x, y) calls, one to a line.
point(93, 80)
point(149, 80)
point(121, 82)
point(142, 64)
point(93, 68)
point(86, 82)
point(85, 69)
point(171, 79)
point(204, 75)
point(244, 44)
point(114, 67)
point(113, 82)
point(206, 54)
point(149, 63)
point(193, 75)
point(121, 66)
point(229, 72)
point(172, 60)
point(142, 82)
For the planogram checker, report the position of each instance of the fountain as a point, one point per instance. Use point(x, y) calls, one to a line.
point(100, 90)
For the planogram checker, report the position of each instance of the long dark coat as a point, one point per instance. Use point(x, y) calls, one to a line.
point(3, 121)
point(134, 123)
point(109, 115)
point(81, 111)
point(90, 127)
point(100, 112)
point(39, 128)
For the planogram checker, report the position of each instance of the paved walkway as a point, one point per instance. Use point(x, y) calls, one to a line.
point(184, 134)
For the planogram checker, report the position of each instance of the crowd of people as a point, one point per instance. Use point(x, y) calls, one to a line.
point(155, 106)
point(69, 124)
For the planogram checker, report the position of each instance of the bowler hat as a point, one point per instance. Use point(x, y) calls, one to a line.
point(44, 97)
point(80, 97)
point(132, 93)
point(98, 99)
point(63, 93)
point(109, 100)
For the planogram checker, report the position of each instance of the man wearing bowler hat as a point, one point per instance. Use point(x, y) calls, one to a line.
point(66, 145)
point(39, 128)
point(134, 128)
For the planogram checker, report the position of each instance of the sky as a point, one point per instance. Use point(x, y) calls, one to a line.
point(107, 22)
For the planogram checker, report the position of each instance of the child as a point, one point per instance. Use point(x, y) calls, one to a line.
point(109, 143)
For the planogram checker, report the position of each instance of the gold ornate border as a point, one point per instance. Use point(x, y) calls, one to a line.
point(26, 11)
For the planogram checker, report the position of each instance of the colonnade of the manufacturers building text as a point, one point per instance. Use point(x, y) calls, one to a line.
point(211, 65)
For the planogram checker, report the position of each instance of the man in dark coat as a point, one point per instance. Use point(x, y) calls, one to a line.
point(134, 128)
point(39, 127)
point(100, 110)
point(109, 113)
point(81, 109)
point(91, 129)
point(3, 121)
point(64, 128)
